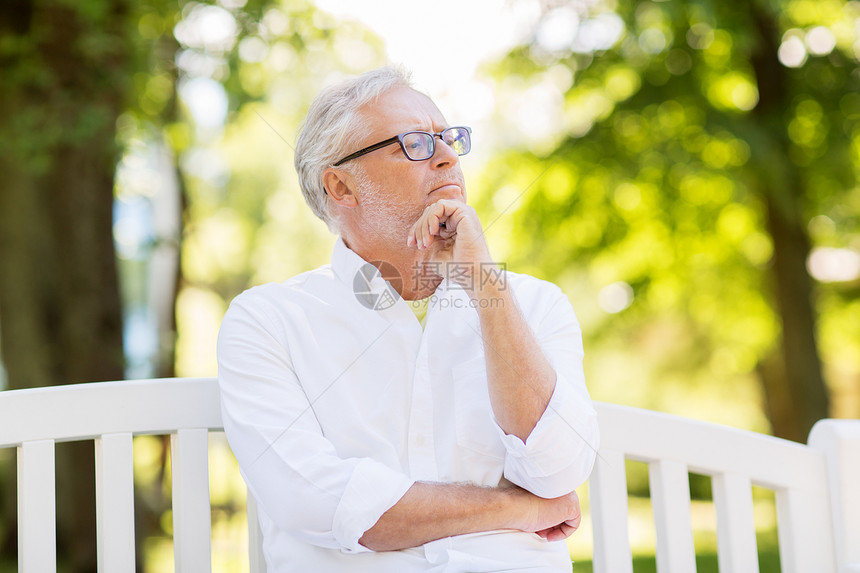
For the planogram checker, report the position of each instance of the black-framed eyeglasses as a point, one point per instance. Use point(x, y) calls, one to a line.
point(421, 145)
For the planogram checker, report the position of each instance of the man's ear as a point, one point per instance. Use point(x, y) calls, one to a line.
point(340, 186)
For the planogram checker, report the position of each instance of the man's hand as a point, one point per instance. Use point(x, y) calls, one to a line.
point(451, 232)
point(553, 519)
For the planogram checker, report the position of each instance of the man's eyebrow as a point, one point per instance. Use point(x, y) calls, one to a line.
point(429, 127)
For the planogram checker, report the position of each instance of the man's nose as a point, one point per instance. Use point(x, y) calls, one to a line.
point(444, 154)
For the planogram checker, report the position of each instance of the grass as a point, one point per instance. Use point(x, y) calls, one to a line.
point(705, 563)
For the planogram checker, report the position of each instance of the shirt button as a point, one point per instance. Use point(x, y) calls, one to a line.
point(419, 440)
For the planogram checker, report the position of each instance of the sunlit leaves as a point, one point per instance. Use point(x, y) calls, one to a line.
point(808, 128)
point(732, 91)
point(810, 12)
point(621, 82)
point(716, 46)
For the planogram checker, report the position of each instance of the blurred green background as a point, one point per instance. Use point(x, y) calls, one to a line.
point(685, 171)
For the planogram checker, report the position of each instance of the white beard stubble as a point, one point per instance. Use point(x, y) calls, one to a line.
point(387, 220)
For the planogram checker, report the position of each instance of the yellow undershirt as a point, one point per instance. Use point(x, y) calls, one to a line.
point(419, 307)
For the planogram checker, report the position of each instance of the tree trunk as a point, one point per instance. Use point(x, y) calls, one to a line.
point(63, 85)
point(783, 190)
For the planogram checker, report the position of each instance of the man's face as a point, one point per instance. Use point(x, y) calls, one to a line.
point(393, 191)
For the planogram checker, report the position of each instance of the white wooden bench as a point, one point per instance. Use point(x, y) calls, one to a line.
point(817, 486)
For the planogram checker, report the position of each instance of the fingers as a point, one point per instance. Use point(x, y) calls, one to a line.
point(569, 527)
point(432, 228)
point(421, 232)
point(436, 220)
point(561, 531)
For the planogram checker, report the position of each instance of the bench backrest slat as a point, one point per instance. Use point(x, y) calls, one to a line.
point(736, 539)
point(670, 501)
point(37, 547)
point(607, 492)
point(192, 522)
point(115, 503)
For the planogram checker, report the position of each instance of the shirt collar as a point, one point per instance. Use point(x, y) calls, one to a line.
point(345, 262)
point(363, 279)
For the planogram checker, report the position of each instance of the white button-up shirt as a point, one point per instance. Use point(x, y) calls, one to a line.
point(335, 401)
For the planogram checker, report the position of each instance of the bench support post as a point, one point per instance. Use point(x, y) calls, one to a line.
point(839, 440)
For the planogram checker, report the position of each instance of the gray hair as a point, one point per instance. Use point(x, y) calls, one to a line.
point(332, 128)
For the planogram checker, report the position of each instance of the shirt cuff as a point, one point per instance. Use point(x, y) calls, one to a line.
point(564, 442)
point(372, 490)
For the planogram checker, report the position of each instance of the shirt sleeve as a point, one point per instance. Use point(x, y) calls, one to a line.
point(558, 455)
point(293, 471)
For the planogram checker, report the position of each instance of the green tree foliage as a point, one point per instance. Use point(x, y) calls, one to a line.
point(693, 144)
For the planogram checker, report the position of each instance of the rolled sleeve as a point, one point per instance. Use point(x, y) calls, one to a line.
point(559, 453)
point(371, 491)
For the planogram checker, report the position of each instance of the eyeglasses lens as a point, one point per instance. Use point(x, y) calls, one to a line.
point(458, 138)
point(418, 146)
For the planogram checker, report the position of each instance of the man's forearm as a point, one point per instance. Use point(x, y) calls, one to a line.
point(430, 511)
point(520, 378)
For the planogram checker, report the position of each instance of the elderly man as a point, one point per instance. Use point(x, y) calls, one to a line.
point(411, 406)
